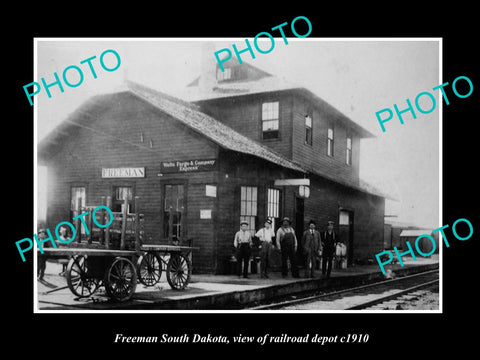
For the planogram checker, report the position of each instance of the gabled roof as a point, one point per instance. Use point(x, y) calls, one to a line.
point(369, 188)
point(190, 115)
point(186, 113)
point(415, 232)
point(400, 224)
point(225, 89)
point(213, 129)
point(253, 71)
point(267, 84)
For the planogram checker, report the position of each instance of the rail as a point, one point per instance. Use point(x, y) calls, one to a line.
point(344, 291)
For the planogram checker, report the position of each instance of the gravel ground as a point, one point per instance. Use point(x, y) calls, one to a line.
point(420, 300)
point(426, 301)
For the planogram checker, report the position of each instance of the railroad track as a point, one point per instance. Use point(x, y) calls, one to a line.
point(404, 285)
point(397, 295)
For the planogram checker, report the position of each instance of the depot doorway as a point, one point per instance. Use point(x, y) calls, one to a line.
point(346, 232)
point(299, 227)
point(174, 211)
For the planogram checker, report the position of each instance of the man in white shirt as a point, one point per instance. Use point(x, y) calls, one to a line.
point(266, 235)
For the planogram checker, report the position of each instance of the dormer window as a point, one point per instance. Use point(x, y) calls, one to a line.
point(224, 75)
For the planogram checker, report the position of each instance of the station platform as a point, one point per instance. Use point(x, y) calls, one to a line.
point(216, 292)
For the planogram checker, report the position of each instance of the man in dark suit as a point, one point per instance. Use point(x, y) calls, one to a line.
point(311, 246)
point(329, 243)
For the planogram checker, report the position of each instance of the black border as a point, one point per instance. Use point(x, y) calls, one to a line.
point(389, 333)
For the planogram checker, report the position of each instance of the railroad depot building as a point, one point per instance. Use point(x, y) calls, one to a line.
point(235, 148)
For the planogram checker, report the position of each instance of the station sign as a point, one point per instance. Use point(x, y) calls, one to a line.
point(187, 166)
point(130, 172)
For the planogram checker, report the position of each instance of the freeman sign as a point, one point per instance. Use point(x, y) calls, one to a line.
point(188, 166)
point(123, 172)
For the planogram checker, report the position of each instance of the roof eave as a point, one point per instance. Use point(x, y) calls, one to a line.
point(362, 132)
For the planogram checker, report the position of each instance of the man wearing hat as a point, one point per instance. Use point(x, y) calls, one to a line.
point(287, 243)
point(266, 235)
point(329, 243)
point(243, 244)
point(42, 259)
point(311, 247)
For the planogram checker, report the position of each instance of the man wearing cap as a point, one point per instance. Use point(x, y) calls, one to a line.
point(329, 243)
point(311, 247)
point(287, 243)
point(243, 244)
point(266, 235)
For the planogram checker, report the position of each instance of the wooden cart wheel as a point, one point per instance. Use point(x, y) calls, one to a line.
point(179, 270)
point(120, 279)
point(79, 280)
point(149, 269)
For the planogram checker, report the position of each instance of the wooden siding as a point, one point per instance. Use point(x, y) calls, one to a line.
point(82, 157)
point(244, 114)
point(325, 202)
point(315, 156)
point(327, 199)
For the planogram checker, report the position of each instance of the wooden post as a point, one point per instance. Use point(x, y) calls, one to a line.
point(190, 257)
point(137, 224)
point(170, 224)
point(78, 230)
point(90, 227)
point(124, 223)
point(102, 233)
point(107, 230)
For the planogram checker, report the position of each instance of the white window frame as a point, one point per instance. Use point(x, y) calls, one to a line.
point(273, 205)
point(349, 151)
point(330, 141)
point(73, 202)
point(224, 75)
point(270, 117)
point(248, 206)
point(308, 126)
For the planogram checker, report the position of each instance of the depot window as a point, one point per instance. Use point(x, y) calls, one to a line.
point(349, 151)
point(78, 196)
point(224, 75)
point(173, 210)
point(120, 193)
point(330, 141)
point(308, 130)
point(270, 120)
point(273, 205)
point(248, 206)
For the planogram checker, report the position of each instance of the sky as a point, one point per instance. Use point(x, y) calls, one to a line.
point(359, 78)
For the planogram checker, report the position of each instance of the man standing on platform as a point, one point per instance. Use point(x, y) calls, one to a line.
point(243, 244)
point(311, 246)
point(329, 243)
point(266, 236)
point(42, 259)
point(287, 243)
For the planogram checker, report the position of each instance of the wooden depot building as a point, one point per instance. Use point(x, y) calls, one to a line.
point(243, 145)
